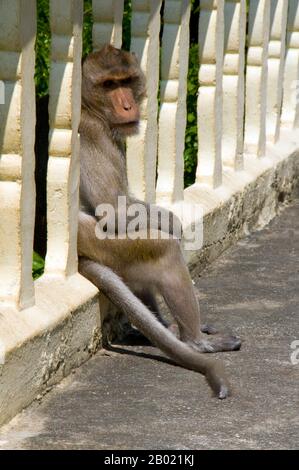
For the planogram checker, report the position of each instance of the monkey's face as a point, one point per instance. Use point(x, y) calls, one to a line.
point(123, 108)
point(113, 87)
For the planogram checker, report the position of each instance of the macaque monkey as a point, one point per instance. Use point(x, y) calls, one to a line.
point(131, 271)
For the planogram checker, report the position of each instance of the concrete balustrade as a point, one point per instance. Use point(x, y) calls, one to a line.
point(49, 326)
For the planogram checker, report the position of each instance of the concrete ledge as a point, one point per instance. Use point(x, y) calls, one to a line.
point(42, 344)
point(247, 200)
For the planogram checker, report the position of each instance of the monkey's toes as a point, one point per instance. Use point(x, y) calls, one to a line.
point(217, 343)
point(226, 343)
point(235, 343)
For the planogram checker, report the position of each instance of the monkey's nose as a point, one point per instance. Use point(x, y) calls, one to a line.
point(127, 107)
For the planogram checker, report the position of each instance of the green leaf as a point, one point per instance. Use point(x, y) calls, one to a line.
point(38, 265)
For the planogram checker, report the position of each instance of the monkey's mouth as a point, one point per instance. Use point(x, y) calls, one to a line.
point(128, 124)
point(128, 127)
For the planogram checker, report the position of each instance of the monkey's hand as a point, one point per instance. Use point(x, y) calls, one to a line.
point(140, 216)
point(168, 222)
point(161, 219)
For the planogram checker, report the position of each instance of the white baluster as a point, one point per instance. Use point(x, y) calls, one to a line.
point(17, 130)
point(276, 61)
point(172, 120)
point(211, 43)
point(290, 108)
point(256, 76)
point(233, 83)
point(64, 112)
point(142, 148)
point(107, 22)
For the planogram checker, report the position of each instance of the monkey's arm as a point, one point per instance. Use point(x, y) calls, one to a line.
point(156, 218)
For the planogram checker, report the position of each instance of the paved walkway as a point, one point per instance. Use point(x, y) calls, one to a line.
point(134, 402)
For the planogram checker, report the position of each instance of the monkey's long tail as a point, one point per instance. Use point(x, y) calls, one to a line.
point(140, 316)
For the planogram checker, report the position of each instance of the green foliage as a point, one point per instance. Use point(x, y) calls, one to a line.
point(190, 154)
point(42, 48)
point(87, 28)
point(127, 25)
point(38, 265)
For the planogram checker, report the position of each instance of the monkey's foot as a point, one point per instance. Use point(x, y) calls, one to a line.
point(217, 343)
point(205, 328)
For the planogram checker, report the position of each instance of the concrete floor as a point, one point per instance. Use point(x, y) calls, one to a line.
point(134, 401)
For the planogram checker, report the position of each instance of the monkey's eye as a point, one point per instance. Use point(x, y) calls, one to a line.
point(127, 81)
point(108, 83)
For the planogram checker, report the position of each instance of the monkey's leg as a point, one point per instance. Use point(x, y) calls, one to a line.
point(171, 277)
point(115, 289)
point(159, 264)
point(178, 291)
point(148, 298)
point(206, 328)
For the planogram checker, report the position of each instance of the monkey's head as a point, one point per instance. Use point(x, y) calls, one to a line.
point(113, 87)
